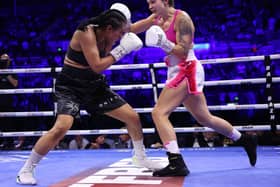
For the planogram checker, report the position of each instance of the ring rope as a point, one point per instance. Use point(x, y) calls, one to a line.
point(145, 130)
point(274, 56)
point(143, 66)
point(146, 110)
point(146, 86)
point(268, 80)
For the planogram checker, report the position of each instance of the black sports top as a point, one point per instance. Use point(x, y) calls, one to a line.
point(77, 56)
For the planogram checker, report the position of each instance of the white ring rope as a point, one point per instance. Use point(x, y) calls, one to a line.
point(26, 91)
point(29, 70)
point(146, 86)
point(145, 131)
point(234, 59)
point(145, 110)
point(142, 86)
point(274, 56)
point(144, 66)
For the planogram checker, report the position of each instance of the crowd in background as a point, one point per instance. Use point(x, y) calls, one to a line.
point(36, 34)
point(123, 141)
point(32, 29)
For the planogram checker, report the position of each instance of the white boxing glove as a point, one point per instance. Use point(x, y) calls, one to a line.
point(124, 9)
point(155, 37)
point(129, 42)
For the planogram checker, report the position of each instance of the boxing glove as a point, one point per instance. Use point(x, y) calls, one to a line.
point(155, 37)
point(129, 42)
point(122, 8)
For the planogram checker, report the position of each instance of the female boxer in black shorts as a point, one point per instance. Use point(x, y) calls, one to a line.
point(81, 82)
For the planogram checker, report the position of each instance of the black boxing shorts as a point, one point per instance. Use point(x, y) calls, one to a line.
point(82, 87)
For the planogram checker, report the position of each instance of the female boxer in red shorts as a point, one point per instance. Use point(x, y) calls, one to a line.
point(173, 31)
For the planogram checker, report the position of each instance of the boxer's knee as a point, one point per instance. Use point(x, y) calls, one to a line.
point(133, 118)
point(61, 126)
point(158, 114)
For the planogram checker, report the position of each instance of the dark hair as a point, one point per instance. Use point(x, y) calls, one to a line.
point(171, 3)
point(112, 17)
point(4, 63)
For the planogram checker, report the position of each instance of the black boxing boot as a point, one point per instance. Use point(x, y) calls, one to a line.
point(176, 167)
point(249, 143)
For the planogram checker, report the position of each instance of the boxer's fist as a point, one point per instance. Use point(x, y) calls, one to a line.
point(129, 42)
point(155, 37)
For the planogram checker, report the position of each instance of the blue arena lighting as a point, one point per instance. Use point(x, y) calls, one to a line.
point(202, 46)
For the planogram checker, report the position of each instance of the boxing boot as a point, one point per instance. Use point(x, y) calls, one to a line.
point(176, 167)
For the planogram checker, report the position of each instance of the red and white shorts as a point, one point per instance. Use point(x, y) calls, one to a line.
point(190, 71)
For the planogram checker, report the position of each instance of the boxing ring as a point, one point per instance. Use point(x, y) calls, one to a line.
point(209, 166)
